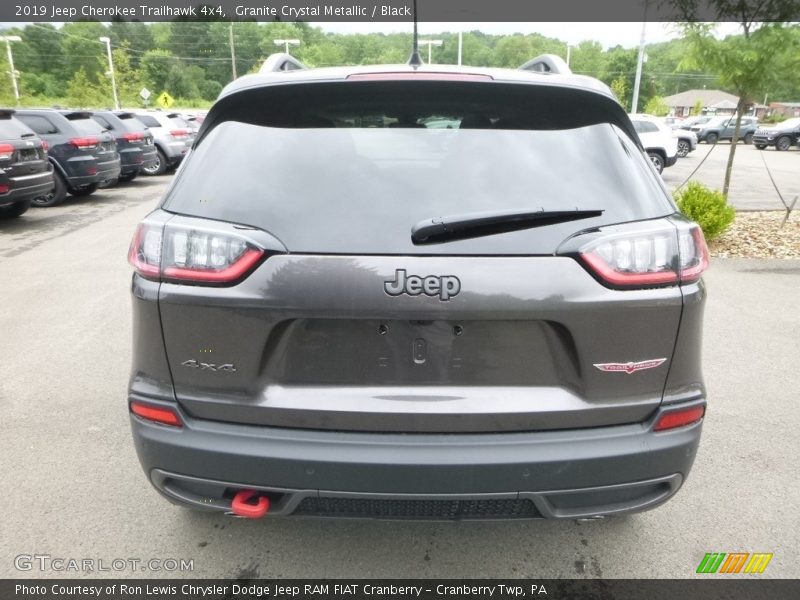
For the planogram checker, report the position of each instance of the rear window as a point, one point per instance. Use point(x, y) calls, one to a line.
point(133, 124)
point(40, 124)
point(12, 129)
point(356, 179)
point(87, 126)
point(148, 121)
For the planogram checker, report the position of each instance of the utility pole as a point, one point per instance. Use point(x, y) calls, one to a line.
point(431, 44)
point(569, 52)
point(233, 51)
point(8, 39)
point(637, 82)
point(111, 71)
point(460, 46)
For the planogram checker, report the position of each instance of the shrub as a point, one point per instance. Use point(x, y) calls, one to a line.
point(707, 207)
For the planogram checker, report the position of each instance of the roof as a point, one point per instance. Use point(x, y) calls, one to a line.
point(707, 97)
point(785, 104)
point(329, 74)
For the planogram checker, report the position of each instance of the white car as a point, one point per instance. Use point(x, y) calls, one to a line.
point(657, 139)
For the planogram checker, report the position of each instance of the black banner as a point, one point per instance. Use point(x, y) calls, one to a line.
point(732, 587)
point(392, 10)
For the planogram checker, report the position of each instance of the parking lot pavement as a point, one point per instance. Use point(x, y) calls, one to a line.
point(73, 487)
point(751, 188)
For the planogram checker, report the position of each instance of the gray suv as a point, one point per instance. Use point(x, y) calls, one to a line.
point(172, 137)
point(340, 311)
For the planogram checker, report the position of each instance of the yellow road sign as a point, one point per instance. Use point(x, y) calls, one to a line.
point(165, 100)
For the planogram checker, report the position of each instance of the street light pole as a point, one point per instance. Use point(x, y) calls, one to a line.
point(107, 42)
point(233, 51)
point(286, 44)
point(639, 61)
point(8, 39)
point(430, 44)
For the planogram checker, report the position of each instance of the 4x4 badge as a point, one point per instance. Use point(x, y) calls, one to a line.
point(631, 367)
point(444, 286)
point(196, 364)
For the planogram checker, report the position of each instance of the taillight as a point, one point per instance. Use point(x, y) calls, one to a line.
point(186, 255)
point(680, 418)
point(658, 257)
point(45, 146)
point(157, 414)
point(4, 189)
point(84, 142)
point(6, 151)
point(133, 137)
point(179, 133)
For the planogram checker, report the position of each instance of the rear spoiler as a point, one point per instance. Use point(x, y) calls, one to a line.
point(6, 113)
point(125, 115)
point(78, 114)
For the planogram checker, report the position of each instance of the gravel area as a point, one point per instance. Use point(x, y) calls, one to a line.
point(760, 235)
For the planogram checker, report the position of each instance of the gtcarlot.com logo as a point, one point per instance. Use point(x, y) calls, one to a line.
point(47, 562)
point(734, 562)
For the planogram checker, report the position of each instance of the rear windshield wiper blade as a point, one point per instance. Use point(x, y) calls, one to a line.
point(472, 225)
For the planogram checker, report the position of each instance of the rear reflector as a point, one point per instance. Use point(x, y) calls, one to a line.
point(680, 418)
point(157, 414)
point(133, 137)
point(4, 189)
point(179, 133)
point(6, 151)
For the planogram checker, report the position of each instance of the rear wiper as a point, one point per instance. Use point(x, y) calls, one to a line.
point(472, 225)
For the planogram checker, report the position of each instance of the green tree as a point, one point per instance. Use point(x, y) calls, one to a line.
point(697, 108)
point(155, 69)
point(620, 88)
point(84, 93)
point(744, 63)
point(82, 50)
point(656, 107)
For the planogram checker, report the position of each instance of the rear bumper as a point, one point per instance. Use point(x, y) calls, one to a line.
point(28, 187)
point(83, 171)
point(556, 474)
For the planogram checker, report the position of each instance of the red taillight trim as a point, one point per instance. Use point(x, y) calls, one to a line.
point(599, 266)
point(144, 269)
point(45, 146)
point(133, 136)
point(157, 414)
point(692, 274)
point(420, 76)
point(179, 132)
point(6, 151)
point(680, 418)
point(4, 189)
point(249, 258)
point(84, 142)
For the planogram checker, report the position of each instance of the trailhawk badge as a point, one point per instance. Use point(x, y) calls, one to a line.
point(444, 286)
point(631, 367)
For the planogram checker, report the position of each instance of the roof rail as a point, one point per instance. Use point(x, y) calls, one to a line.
point(547, 63)
point(281, 61)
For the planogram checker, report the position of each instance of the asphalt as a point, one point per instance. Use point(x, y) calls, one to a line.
point(72, 486)
point(751, 186)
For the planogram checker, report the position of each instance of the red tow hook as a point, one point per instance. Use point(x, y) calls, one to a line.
point(242, 508)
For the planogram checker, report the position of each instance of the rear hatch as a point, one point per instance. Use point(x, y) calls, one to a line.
point(348, 323)
point(94, 138)
point(22, 153)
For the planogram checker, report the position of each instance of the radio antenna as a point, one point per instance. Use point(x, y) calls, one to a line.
point(415, 60)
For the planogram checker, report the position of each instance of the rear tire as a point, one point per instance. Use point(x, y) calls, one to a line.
point(748, 138)
point(712, 138)
point(56, 196)
point(657, 160)
point(160, 166)
point(761, 146)
point(15, 210)
point(783, 143)
point(683, 148)
point(84, 191)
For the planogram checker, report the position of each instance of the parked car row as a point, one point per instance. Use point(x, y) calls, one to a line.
point(46, 154)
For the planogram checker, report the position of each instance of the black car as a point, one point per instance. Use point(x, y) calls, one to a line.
point(498, 318)
point(25, 172)
point(134, 142)
point(83, 153)
point(782, 136)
